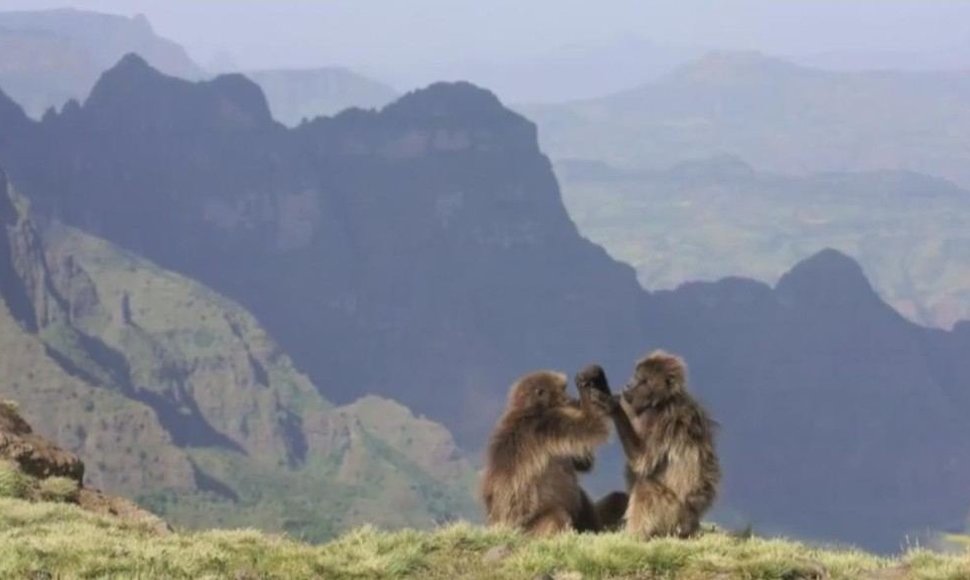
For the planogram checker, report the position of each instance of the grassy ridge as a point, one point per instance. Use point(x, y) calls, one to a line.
point(64, 541)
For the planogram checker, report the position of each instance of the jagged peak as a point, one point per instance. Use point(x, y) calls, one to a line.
point(10, 111)
point(134, 61)
point(451, 101)
point(130, 69)
point(133, 88)
point(829, 277)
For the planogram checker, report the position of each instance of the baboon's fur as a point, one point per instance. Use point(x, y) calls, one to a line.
point(672, 466)
point(530, 479)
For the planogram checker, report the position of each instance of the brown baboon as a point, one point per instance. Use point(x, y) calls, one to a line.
point(672, 467)
point(543, 437)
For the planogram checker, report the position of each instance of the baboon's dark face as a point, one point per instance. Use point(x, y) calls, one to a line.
point(651, 383)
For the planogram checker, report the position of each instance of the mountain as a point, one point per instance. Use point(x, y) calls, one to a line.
point(51, 56)
point(298, 94)
point(710, 218)
point(347, 236)
point(778, 116)
point(423, 253)
point(555, 74)
point(177, 398)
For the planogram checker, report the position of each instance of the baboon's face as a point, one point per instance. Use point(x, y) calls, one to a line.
point(650, 382)
point(540, 391)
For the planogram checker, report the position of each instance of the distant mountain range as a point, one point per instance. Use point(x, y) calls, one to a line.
point(177, 398)
point(295, 95)
point(705, 219)
point(777, 116)
point(423, 252)
point(49, 57)
point(851, 160)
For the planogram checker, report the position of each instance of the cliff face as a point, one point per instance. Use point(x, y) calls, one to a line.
point(162, 385)
point(348, 237)
point(423, 253)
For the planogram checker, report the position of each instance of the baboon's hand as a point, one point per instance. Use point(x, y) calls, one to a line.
point(593, 377)
point(593, 386)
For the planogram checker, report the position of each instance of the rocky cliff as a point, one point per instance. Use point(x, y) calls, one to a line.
point(35, 469)
point(436, 217)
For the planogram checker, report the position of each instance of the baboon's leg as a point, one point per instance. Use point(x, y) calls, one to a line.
point(587, 519)
point(653, 510)
point(690, 522)
point(554, 521)
point(610, 509)
point(695, 505)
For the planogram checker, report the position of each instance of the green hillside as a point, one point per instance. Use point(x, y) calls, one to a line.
point(45, 540)
point(776, 115)
point(708, 219)
point(177, 398)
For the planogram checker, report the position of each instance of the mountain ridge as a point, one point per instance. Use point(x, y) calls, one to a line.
point(707, 218)
point(778, 116)
point(53, 56)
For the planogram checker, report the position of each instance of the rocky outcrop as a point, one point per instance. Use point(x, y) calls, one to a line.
point(36, 456)
point(40, 460)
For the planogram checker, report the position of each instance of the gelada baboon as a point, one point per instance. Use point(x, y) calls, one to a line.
point(544, 436)
point(672, 467)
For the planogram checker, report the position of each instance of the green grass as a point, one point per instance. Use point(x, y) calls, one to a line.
point(13, 483)
point(59, 540)
point(59, 489)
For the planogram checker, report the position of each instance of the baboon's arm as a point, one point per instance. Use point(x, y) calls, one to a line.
point(572, 431)
point(633, 446)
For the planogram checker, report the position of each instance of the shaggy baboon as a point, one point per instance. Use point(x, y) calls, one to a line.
point(543, 437)
point(672, 467)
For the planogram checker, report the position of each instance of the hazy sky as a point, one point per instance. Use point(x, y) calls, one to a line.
point(372, 33)
point(546, 50)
